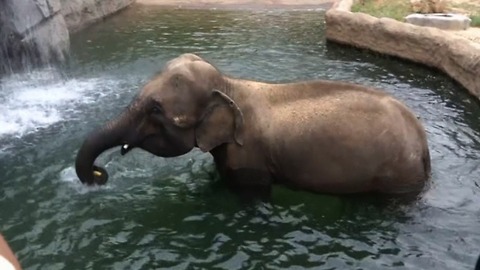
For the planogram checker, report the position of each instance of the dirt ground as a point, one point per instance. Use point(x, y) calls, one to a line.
point(467, 7)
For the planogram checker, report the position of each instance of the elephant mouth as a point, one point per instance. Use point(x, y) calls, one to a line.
point(145, 143)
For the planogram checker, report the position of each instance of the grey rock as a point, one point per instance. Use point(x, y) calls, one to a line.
point(81, 13)
point(23, 15)
point(443, 21)
point(32, 33)
point(51, 39)
point(36, 32)
point(48, 7)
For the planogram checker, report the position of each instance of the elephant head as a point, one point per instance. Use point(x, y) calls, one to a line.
point(182, 107)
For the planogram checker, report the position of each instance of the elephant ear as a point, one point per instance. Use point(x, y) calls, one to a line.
point(221, 123)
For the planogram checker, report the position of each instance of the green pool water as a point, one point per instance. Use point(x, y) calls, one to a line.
point(158, 213)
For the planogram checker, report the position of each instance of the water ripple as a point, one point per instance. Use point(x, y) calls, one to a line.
point(160, 213)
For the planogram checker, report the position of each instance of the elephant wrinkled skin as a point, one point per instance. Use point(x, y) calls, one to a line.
point(322, 136)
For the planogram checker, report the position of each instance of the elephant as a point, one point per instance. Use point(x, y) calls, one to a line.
point(321, 136)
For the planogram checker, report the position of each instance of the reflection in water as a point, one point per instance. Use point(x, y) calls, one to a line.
point(175, 213)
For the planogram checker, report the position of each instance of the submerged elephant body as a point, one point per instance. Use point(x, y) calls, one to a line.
point(322, 136)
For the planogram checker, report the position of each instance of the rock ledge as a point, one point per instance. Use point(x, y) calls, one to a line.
point(36, 32)
point(457, 56)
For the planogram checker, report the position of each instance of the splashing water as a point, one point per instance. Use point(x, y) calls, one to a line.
point(36, 100)
point(173, 214)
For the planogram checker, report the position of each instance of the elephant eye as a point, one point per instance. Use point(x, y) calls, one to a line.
point(157, 109)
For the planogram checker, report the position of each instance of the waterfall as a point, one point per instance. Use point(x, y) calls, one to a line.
point(34, 38)
point(32, 33)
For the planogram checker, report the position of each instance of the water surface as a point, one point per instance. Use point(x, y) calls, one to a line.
point(160, 213)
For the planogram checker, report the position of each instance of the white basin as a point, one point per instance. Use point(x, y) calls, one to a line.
point(446, 21)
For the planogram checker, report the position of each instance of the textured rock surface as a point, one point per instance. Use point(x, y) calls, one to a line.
point(31, 33)
point(36, 32)
point(80, 13)
point(51, 39)
point(455, 55)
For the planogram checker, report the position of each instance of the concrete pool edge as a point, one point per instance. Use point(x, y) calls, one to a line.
point(457, 56)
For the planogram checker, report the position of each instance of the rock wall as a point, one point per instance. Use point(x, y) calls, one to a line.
point(36, 32)
point(81, 13)
point(31, 33)
point(456, 56)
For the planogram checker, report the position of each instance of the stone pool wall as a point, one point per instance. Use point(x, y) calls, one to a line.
point(36, 32)
point(456, 56)
point(27, 24)
point(81, 13)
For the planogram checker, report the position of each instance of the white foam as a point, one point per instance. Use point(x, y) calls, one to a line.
point(68, 175)
point(42, 98)
point(20, 120)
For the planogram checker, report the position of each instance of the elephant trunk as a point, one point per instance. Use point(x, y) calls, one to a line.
point(95, 144)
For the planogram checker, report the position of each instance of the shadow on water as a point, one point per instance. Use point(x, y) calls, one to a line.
point(157, 213)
